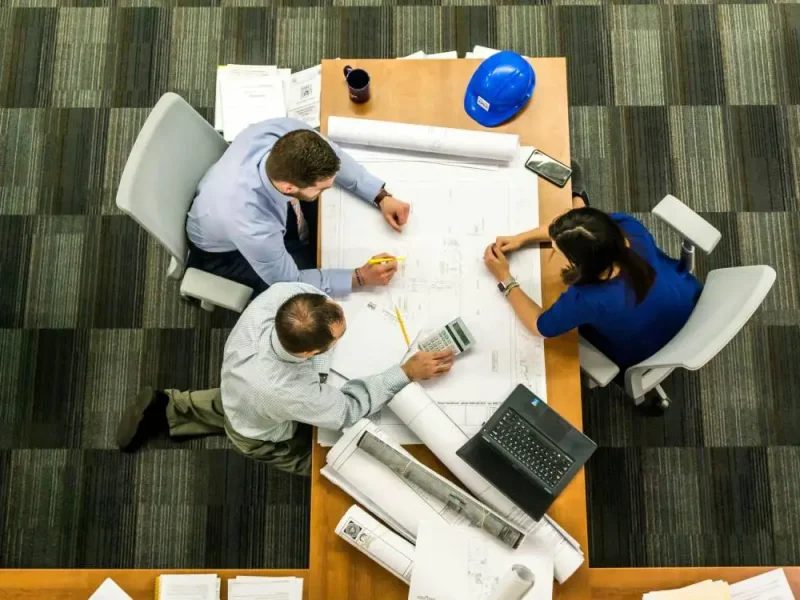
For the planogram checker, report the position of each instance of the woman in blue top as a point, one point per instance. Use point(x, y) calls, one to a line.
point(625, 295)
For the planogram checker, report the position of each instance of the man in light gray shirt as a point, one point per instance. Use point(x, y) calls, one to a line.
point(254, 219)
point(273, 388)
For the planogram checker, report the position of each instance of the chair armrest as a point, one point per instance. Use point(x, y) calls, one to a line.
point(687, 223)
point(596, 364)
point(216, 290)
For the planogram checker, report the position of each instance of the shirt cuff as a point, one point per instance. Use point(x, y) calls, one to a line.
point(395, 379)
point(341, 281)
point(371, 187)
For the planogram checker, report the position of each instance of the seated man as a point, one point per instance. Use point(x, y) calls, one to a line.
point(273, 386)
point(254, 219)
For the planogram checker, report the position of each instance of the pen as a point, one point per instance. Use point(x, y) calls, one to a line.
point(377, 261)
point(402, 326)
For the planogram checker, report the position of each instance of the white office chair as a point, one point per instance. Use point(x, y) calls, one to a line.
point(729, 299)
point(174, 149)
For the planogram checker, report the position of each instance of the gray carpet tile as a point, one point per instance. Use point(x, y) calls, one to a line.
point(695, 98)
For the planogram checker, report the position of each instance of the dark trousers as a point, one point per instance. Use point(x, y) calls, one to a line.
point(232, 265)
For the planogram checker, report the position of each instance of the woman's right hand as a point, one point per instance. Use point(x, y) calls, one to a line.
point(508, 243)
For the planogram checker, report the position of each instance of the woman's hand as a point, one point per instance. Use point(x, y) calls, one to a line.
point(496, 262)
point(509, 243)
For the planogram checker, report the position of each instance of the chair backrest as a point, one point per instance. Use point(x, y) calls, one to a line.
point(175, 148)
point(729, 299)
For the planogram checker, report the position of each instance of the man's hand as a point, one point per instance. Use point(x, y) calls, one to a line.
point(508, 243)
point(425, 365)
point(395, 212)
point(379, 274)
point(496, 262)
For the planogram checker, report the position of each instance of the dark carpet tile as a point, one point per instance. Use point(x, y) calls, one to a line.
point(15, 240)
point(699, 54)
point(617, 527)
point(363, 31)
point(248, 36)
point(584, 41)
point(28, 46)
point(781, 379)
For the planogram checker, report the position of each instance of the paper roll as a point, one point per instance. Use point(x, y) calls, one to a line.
point(514, 584)
point(484, 145)
point(358, 528)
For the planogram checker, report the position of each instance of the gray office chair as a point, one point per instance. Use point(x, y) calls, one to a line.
point(729, 299)
point(174, 149)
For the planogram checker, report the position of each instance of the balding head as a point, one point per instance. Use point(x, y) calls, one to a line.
point(308, 324)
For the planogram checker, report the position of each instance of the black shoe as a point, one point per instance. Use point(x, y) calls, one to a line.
point(145, 417)
point(578, 187)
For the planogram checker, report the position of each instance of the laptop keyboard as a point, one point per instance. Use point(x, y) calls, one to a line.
point(520, 439)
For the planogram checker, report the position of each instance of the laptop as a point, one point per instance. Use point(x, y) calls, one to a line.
point(527, 451)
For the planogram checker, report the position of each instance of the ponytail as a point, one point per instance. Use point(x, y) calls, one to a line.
point(637, 273)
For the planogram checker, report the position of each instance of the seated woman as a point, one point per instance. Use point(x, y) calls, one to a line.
point(624, 294)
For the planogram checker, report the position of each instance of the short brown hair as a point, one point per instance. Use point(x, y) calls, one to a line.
point(304, 322)
point(302, 158)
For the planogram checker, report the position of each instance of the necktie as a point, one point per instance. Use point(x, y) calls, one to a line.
point(302, 225)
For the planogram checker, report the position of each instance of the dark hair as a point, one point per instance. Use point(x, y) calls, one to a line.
point(303, 323)
point(302, 158)
point(593, 243)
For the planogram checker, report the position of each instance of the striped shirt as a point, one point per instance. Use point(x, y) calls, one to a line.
point(266, 390)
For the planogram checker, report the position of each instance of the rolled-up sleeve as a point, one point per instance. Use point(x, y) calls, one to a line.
point(266, 252)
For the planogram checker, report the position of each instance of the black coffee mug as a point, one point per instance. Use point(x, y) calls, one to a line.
point(357, 84)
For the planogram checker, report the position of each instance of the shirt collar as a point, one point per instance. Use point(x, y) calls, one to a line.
point(262, 173)
point(281, 352)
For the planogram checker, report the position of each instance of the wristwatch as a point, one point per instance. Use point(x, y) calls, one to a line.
point(507, 285)
point(381, 195)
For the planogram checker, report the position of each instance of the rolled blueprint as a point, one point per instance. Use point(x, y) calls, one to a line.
point(407, 503)
point(358, 528)
point(443, 437)
point(498, 147)
point(514, 584)
point(429, 482)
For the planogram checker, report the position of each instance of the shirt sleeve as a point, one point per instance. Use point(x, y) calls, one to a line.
point(355, 178)
point(266, 252)
point(323, 405)
point(571, 310)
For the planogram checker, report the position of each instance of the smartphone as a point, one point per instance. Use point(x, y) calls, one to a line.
point(548, 167)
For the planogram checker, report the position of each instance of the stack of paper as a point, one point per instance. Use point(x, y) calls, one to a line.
point(772, 585)
point(265, 588)
point(440, 55)
point(187, 587)
point(247, 94)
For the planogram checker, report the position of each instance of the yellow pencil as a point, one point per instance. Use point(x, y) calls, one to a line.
point(377, 261)
point(402, 326)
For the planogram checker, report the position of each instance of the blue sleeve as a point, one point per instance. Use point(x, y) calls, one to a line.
point(571, 310)
point(641, 239)
point(266, 252)
point(354, 177)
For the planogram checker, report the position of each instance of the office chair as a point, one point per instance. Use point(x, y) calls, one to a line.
point(729, 298)
point(173, 151)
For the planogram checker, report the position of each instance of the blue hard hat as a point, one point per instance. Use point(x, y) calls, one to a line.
point(499, 88)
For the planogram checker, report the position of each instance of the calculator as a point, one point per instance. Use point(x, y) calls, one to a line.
point(454, 336)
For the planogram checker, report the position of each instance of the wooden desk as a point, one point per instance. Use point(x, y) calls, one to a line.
point(426, 92)
point(431, 92)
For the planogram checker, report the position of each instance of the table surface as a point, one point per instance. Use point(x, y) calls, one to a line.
point(426, 92)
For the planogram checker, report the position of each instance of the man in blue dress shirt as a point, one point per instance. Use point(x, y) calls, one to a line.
point(254, 219)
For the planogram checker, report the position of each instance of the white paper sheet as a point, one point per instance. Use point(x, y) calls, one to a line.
point(303, 98)
point(248, 96)
point(109, 590)
point(265, 588)
point(772, 585)
point(480, 145)
point(483, 52)
point(455, 214)
point(417, 54)
point(460, 563)
point(221, 71)
point(372, 344)
point(393, 553)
